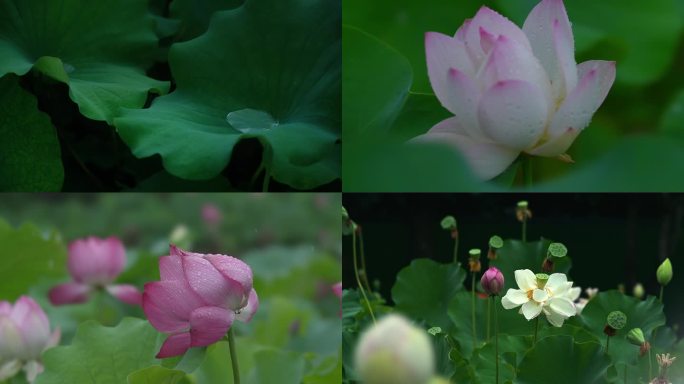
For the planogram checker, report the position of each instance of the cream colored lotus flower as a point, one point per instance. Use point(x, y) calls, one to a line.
point(552, 295)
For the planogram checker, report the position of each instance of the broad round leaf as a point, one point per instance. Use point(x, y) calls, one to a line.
point(425, 288)
point(27, 257)
point(269, 70)
point(560, 360)
point(99, 48)
point(196, 14)
point(102, 355)
point(376, 83)
point(158, 375)
point(31, 159)
point(645, 314)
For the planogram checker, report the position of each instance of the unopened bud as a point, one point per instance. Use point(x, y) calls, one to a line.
point(664, 272)
point(492, 281)
point(638, 291)
point(495, 243)
point(394, 351)
point(636, 337)
point(548, 265)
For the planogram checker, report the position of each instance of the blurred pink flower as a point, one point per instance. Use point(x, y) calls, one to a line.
point(24, 335)
point(513, 90)
point(337, 290)
point(95, 263)
point(211, 214)
point(198, 298)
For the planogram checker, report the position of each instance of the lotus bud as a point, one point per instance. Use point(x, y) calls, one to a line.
point(394, 351)
point(664, 273)
point(638, 291)
point(495, 243)
point(492, 281)
point(636, 336)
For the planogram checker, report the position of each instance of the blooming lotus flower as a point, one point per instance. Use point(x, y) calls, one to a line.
point(394, 351)
point(24, 335)
point(95, 263)
point(513, 90)
point(553, 295)
point(198, 298)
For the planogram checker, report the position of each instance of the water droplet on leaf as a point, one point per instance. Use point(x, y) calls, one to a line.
point(251, 120)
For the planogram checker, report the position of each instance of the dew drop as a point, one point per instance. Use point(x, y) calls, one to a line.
point(251, 120)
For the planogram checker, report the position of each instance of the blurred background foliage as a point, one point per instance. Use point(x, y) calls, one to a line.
point(635, 141)
point(291, 241)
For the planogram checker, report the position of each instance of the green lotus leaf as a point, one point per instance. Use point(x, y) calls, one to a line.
point(269, 70)
point(102, 355)
point(645, 314)
point(31, 159)
point(158, 375)
point(99, 48)
point(481, 367)
point(194, 15)
point(561, 360)
point(376, 83)
point(425, 288)
point(28, 256)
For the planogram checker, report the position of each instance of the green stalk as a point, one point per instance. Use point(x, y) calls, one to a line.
point(650, 367)
point(536, 329)
point(363, 260)
point(496, 339)
point(655, 331)
point(233, 357)
point(358, 280)
point(607, 343)
point(472, 290)
point(489, 307)
point(456, 250)
point(524, 229)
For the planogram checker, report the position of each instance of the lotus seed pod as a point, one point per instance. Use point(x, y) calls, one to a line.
point(474, 254)
point(495, 243)
point(638, 291)
point(542, 278)
point(617, 320)
point(636, 337)
point(557, 250)
point(448, 223)
point(664, 272)
point(522, 211)
point(394, 351)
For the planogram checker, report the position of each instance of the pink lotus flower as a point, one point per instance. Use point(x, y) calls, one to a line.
point(198, 298)
point(24, 335)
point(513, 90)
point(95, 263)
point(492, 281)
point(211, 214)
point(337, 290)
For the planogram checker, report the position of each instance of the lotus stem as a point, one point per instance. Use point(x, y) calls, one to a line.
point(496, 339)
point(358, 280)
point(489, 308)
point(607, 343)
point(536, 329)
point(456, 249)
point(233, 357)
point(472, 290)
point(363, 259)
point(650, 366)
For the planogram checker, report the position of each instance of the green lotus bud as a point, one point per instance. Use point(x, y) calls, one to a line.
point(448, 223)
point(557, 250)
point(394, 351)
point(542, 278)
point(638, 291)
point(474, 254)
point(617, 320)
point(664, 272)
point(636, 337)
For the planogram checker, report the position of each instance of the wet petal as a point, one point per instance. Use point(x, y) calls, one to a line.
point(210, 284)
point(168, 304)
point(209, 324)
point(461, 97)
point(250, 309)
point(550, 34)
point(511, 120)
point(495, 24)
point(486, 159)
point(170, 268)
point(174, 345)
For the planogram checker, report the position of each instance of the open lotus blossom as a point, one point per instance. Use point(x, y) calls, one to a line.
point(198, 298)
point(513, 90)
point(24, 335)
point(95, 263)
point(552, 295)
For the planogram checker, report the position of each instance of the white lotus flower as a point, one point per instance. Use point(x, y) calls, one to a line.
point(554, 297)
